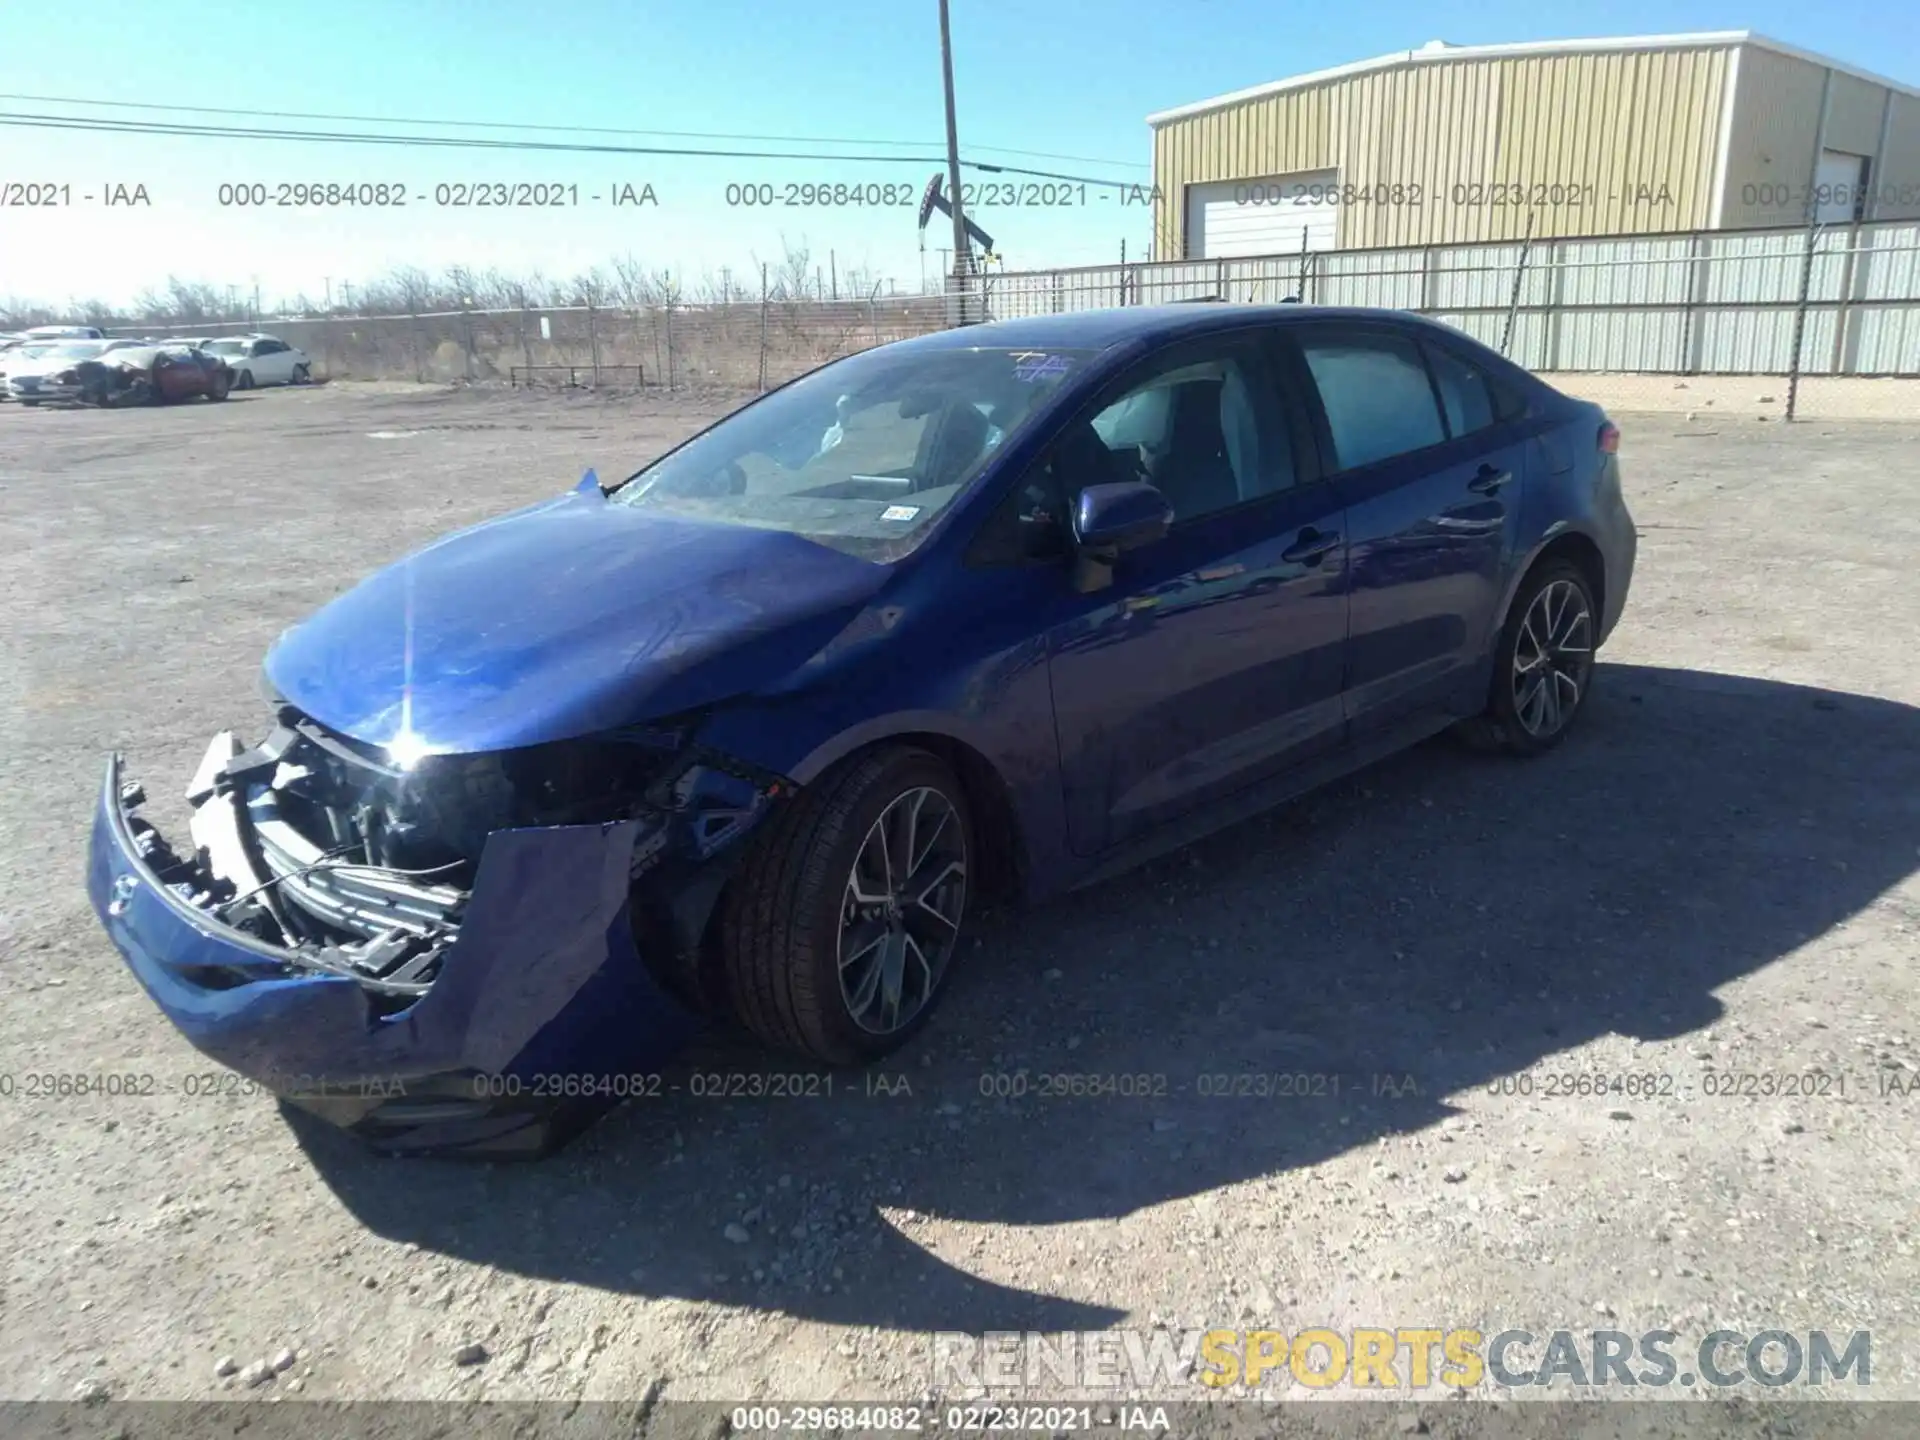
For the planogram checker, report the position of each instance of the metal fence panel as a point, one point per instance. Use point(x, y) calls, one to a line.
point(1888, 265)
point(1698, 302)
point(1884, 341)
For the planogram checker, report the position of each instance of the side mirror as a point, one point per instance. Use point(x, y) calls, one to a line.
point(1108, 519)
point(1120, 516)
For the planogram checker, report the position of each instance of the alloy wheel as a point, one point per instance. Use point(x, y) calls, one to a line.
point(1552, 659)
point(901, 911)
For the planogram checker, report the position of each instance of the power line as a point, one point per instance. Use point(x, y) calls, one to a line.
point(513, 125)
point(155, 127)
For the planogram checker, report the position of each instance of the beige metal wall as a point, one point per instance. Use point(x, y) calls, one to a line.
point(1776, 136)
point(1629, 138)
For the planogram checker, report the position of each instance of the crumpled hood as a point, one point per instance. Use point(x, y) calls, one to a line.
point(561, 620)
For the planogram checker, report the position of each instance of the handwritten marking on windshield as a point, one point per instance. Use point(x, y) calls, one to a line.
point(1030, 366)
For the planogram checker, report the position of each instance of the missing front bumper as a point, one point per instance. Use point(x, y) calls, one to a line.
point(542, 979)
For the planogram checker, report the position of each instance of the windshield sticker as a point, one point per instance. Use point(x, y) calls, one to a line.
point(899, 512)
point(1032, 366)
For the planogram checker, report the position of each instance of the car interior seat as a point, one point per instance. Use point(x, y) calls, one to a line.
point(1191, 467)
point(951, 444)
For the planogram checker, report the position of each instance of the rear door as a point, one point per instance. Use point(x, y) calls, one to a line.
point(1430, 466)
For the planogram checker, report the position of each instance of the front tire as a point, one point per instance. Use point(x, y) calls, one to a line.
point(302, 374)
point(245, 380)
point(1543, 666)
point(217, 388)
point(837, 937)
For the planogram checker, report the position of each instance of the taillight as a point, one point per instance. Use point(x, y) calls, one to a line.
point(1609, 438)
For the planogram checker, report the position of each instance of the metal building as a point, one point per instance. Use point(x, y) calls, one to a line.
point(1450, 144)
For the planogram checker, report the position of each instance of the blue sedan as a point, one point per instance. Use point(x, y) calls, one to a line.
point(994, 612)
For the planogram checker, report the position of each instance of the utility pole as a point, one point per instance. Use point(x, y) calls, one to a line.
point(960, 249)
point(327, 280)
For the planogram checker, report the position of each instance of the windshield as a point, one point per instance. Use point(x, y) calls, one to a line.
point(862, 455)
point(71, 350)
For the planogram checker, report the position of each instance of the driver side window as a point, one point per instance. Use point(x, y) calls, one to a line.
point(1203, 426)
point(1203, 430)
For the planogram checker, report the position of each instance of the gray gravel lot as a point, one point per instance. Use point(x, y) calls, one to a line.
point(1715, 874)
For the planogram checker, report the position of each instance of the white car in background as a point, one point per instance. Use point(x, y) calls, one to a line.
point(19, 354)
point(45, 371)
point(261, 360)
point(62, 332)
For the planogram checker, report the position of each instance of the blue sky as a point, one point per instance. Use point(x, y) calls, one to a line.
point(1070, 78)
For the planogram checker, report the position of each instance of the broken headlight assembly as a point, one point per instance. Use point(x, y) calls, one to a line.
point(359, 859)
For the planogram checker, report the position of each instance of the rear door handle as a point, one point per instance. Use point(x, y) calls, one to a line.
point(1486, 480)
point(1311, 547)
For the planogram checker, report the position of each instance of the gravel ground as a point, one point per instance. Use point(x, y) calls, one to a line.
point(1714, 875)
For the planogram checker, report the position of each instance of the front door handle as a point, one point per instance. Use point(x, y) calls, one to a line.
point(1487, 479)
point(1311, 547)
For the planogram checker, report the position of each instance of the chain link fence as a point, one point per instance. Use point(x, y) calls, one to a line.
point(743, 344)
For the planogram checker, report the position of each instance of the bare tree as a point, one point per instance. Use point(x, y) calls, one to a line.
point(511, 293)
point(590, 288)
point(795, 271)
point(190, 303)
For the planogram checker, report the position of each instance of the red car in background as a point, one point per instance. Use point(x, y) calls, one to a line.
point(152, 374)
point(177, 371)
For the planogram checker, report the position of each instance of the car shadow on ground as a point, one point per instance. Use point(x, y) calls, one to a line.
point(1443, 916)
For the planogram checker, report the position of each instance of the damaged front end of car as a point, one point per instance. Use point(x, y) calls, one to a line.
point(441, 952)
point(109, 383)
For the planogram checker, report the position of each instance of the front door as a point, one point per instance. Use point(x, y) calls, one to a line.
point(1215, 657)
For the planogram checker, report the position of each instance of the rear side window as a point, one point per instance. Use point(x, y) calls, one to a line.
point(1376, 393)
point(1464, 392)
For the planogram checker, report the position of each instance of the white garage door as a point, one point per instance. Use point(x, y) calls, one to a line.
point(1837, 185)
point(1265, 216)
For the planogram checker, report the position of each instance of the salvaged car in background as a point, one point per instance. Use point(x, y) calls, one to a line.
point(18, 353)
point(124, 372)
point(64, 332)
point(157, 374)
point(998, 611)
point(262, 360)
point(51, 370)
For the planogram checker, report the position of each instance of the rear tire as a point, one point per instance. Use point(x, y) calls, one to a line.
point(1542, 667)
point(834, 949)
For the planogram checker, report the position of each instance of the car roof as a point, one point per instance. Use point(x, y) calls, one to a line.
point(1104, 329)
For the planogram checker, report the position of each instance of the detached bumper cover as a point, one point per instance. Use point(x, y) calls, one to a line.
point(543, 982)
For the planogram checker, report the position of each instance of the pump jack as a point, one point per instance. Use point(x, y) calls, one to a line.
point(934, 198)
